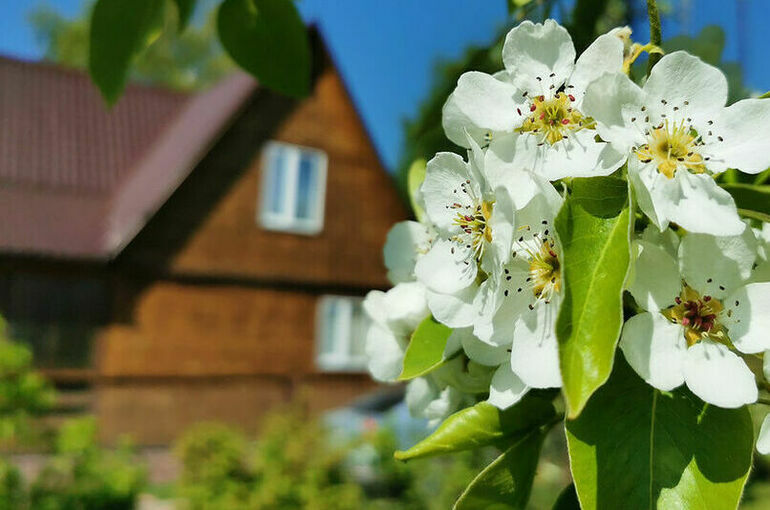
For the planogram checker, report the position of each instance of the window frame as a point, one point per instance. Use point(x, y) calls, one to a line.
point(286, 220)
point(341, 358)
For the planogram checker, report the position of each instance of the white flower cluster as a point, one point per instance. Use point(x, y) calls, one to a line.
point(486, 259)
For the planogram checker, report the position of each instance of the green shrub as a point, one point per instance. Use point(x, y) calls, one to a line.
point(12, 494)
point(83, 476)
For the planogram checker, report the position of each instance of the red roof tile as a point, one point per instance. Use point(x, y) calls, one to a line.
point(77, 180)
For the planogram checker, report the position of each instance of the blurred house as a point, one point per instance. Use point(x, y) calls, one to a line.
point(184, 258)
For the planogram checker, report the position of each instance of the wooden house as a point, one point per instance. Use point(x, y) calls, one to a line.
point(187, 258)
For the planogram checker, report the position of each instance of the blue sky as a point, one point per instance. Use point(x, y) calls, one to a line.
point(386, 49)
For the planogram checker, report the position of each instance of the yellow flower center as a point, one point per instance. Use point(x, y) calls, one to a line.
point(545, 271)
point(672, 147)
point(553, 118)
point(475, 227)
point(698, 315)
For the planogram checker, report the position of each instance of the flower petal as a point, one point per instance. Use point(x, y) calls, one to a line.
point(717, 265)
point(480, 101)
point(446, 177)
point(506, 388)
point(405, 307)
point(543, 51)
point(744, 129)
point(747, 318)
point(612, 100)
point(484, 353)
point(698, 205)
point(656, 349)
point(605, 55)
point(385, 353)
point(535, 349)
point(763, 440)
point(447, 268)
point(683, 81)
point(655, 281)
point(647, 183)
point(405, 242)
point(454, 310)
point(578, 155)
point(718, 376)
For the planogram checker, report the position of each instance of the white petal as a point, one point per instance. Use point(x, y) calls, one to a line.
point(420, 393)
point(656, 349)
point(455, 341)
point(539, 50)
point(763, 441)
point(485, 102)
point(579, 155)
point(745, 131)
point(448, 267)
point(374, 306)
point(698, 205)
point(456, 123)
point(405, 307)
point(647, 183)
point(498, 330)
point(506, 388)
point(717, 265)
point(405, 242)
point(683, 81)
point(535, 349)
point(454, 310)
point(655, 280)
point(385, 353)
point(484, 353)
point(718, 376)
point(445, 177)
point(610, 100)
point(747, 319)
point(605, 55)
point(666, 240)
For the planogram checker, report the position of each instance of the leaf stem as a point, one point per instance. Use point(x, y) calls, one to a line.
point(655, 33)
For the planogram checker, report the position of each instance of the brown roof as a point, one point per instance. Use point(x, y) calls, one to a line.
point(79, 181)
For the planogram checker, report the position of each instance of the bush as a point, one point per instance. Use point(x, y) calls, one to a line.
point(83, 476)
point(12, 494)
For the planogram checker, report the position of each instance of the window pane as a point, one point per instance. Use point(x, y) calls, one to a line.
point(329, 331)
point(358, 331)
point(307, 185)
point(277, 180)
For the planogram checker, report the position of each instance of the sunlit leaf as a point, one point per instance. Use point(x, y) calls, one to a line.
point(119, 30)
point(268, 39)
point(507, 482)
point(483, 425)
point(425, 351)
point(593, 226)
point(636, 447)
point(415, 177)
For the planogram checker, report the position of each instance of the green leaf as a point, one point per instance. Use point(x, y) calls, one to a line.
point(268, 39)
point(506, 483)
point(185, 9)
point(765, 95)
point(483, 425)
point(568, 499)
point(635, 447)
point(425, 351)
point(415, 176)
point(593, 226)
point(752, 201)
point(120, 29)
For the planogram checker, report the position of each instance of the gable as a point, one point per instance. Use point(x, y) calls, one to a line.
point(209, 227)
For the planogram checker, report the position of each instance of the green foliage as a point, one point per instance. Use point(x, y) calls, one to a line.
point(185, 9)
point(267, 38)
point(12, 493)
point(119, 31)
point(187, 61)
point(23, 393)
point(593, 226)
point(507, 482)
point(568, 499)
point(484, 425)
point(83, 476)
point(636, 447)
point(752, 201)
point(425, 351)
point(415, 178)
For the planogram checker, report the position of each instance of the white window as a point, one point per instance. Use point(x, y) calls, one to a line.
point(341, 326)
point(293, 188)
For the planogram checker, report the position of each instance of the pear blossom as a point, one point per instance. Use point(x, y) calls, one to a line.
point(406, 242)
point(534, 106)
point(763, 440)
point(703, 312)
point(530, 290)
point(677, 134)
